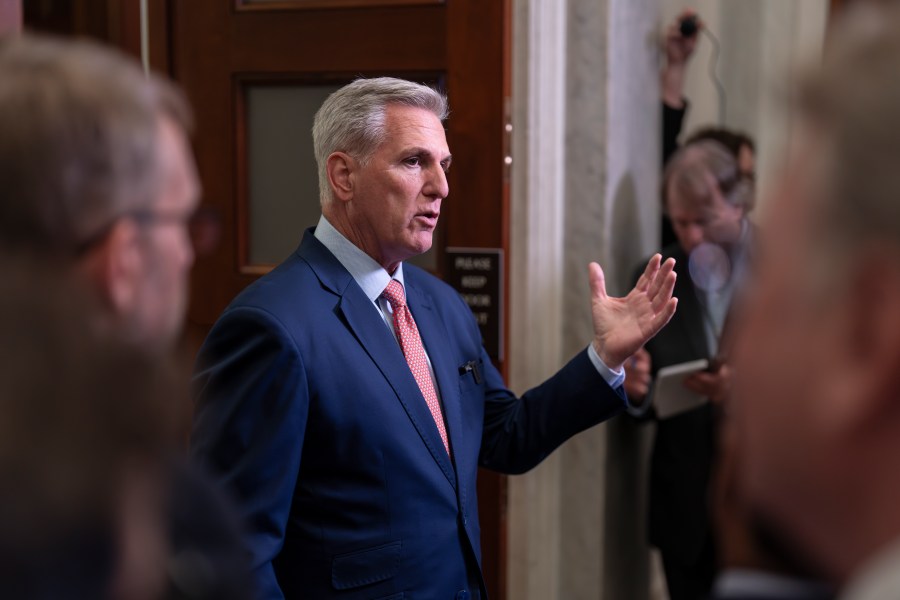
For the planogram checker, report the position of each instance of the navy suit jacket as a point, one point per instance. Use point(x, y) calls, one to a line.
point(308, 411)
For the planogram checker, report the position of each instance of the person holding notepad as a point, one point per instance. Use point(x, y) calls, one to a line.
point(708, 201)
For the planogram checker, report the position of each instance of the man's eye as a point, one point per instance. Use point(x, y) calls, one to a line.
point(412, 161)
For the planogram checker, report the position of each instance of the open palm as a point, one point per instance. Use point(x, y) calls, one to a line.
point(623, 325)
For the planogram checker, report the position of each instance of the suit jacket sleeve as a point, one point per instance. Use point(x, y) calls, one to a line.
point(521, 432)
point(249, 427)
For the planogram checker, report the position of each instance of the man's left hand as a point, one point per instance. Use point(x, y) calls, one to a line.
point(623, 325)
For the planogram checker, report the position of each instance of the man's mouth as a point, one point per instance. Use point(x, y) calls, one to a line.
point(428, 217)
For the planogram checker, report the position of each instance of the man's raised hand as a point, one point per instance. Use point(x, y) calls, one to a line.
point(624, 325)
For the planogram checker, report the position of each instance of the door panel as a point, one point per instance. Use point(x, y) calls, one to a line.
point(242, 60)
point(282, 178)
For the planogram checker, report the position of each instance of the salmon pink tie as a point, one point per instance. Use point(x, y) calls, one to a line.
point(414, 351)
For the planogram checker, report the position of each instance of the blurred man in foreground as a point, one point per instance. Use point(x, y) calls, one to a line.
point(818, 409)
point(98, 180)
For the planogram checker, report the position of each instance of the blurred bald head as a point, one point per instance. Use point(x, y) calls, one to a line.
point(819, 397)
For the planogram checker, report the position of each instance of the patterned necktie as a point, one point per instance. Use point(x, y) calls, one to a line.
point(414, 351)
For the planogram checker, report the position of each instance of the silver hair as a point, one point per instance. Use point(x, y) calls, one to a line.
point(351, 119)
point(688, 169)
point(79, 146)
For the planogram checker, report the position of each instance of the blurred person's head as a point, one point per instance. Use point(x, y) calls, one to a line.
point(86, 418)
point(382, 156)
point(96, 171)
point(741, 146)
point(818, 400)
point(705, 195)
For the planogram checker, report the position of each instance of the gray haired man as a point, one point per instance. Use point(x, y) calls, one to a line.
point(346, 396)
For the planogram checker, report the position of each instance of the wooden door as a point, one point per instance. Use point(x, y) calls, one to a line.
point(239, 60)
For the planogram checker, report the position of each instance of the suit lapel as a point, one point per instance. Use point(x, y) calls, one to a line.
point(368, 327)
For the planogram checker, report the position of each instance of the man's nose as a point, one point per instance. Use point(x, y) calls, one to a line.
point(436, 185)
point(693, 237)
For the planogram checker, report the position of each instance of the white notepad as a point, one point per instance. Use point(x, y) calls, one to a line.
point(670, 397)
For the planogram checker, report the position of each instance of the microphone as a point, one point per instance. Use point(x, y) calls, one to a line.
point(688, 26)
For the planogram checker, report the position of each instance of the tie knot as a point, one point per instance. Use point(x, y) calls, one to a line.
point(394, 294)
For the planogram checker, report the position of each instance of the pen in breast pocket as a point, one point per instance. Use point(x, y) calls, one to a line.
point(473, 367)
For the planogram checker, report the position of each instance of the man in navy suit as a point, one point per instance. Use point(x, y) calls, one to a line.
point(346, 398)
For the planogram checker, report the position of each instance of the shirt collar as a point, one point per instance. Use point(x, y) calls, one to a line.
point(367, 273)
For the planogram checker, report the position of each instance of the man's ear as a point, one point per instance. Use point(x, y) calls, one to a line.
point(869, 326)
point(116, 267)
point(341, 168)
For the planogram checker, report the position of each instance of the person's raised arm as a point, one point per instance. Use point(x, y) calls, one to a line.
point(679, 49)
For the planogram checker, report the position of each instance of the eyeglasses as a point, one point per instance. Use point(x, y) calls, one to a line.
point(203, 226)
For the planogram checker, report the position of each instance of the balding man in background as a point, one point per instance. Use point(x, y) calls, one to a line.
point(97, 178)
point(818, 404)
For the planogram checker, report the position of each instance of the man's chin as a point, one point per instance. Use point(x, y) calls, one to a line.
point(421, 244)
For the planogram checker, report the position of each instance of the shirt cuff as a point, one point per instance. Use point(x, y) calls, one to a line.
point(614, 379)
